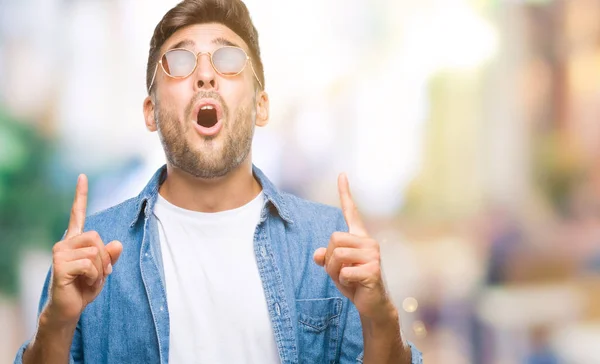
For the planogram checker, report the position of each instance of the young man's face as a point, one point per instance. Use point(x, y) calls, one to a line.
point(205, 121)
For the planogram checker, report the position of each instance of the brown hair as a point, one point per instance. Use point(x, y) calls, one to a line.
point(231, 13)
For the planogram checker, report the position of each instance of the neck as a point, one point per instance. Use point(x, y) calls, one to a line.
point(231, 191)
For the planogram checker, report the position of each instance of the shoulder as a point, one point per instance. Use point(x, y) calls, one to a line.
point(116, 219)
point(314, 216)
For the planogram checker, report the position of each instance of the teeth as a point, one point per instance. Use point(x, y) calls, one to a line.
point(207, 107)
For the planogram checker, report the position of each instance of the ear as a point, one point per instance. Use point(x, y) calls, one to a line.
point(149, 114)
point(262, 108)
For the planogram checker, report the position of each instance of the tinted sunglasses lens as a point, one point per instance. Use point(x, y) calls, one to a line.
point(179, 62)
point(229, 61)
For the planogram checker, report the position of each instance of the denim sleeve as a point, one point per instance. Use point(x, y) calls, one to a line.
point(76, 349)
point(417, 357)
point(352, 339)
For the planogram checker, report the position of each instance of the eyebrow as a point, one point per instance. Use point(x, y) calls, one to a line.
point(190, 43)
point(224, 42)
point(183, 44)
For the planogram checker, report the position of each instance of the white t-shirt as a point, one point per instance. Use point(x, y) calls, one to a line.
point(217, 307)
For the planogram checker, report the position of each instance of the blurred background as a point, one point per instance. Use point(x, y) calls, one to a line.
point(469, 129)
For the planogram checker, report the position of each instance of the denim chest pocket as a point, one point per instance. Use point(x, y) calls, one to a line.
point(319, 329)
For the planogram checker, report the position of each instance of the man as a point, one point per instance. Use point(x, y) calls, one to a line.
point(215, 264)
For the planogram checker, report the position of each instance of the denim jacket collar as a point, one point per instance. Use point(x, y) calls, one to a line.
point(147, 198)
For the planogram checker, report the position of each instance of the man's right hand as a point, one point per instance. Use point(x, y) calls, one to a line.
point(80, 264)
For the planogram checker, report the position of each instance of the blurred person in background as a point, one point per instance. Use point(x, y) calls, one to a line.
point(216, 265)
point(542, 352)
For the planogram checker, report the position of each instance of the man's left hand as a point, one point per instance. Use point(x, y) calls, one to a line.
point(353, 261)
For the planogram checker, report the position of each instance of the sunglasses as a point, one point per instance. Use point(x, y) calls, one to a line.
point(227, 61)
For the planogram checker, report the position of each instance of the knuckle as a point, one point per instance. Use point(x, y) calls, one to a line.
point(347, 209)
point(340, 253)
point(56, 260)
point(87, 265)
point(94, 235)
point(56, 248)
point(377, 256)
point(92, 251)
point(335, 254)
point(373, 243)
point(349, 275)
point(336, 237)
point(329, 266)
point(344, 273)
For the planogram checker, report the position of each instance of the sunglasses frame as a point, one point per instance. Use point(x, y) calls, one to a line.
point(197, 55)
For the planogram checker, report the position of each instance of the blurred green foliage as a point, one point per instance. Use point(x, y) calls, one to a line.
point(31, 206)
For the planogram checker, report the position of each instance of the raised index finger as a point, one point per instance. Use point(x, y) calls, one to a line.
point(355, 224)
point(77, 220)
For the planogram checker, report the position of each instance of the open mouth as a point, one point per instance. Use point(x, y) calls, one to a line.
point(207, 116)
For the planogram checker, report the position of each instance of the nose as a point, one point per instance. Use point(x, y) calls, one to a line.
point(205, 73)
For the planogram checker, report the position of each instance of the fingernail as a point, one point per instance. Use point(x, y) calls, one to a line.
point(109, 269)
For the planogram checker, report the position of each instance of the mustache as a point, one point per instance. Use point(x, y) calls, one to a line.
point(206, 95)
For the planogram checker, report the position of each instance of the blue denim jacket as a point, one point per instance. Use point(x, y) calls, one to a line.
point(129, 320)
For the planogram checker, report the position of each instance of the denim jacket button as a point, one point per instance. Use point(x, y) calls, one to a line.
point(277, 309)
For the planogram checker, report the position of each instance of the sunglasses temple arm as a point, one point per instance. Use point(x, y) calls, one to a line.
point(254, 72)
point(153, 76)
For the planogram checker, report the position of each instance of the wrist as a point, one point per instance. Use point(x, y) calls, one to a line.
point(387, 316)
point(52, 322)
point(52, 340)
point(386, 325)
point(383, 339)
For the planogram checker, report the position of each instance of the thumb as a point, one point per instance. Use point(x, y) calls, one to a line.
point(114, 249)
point(319, 256)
